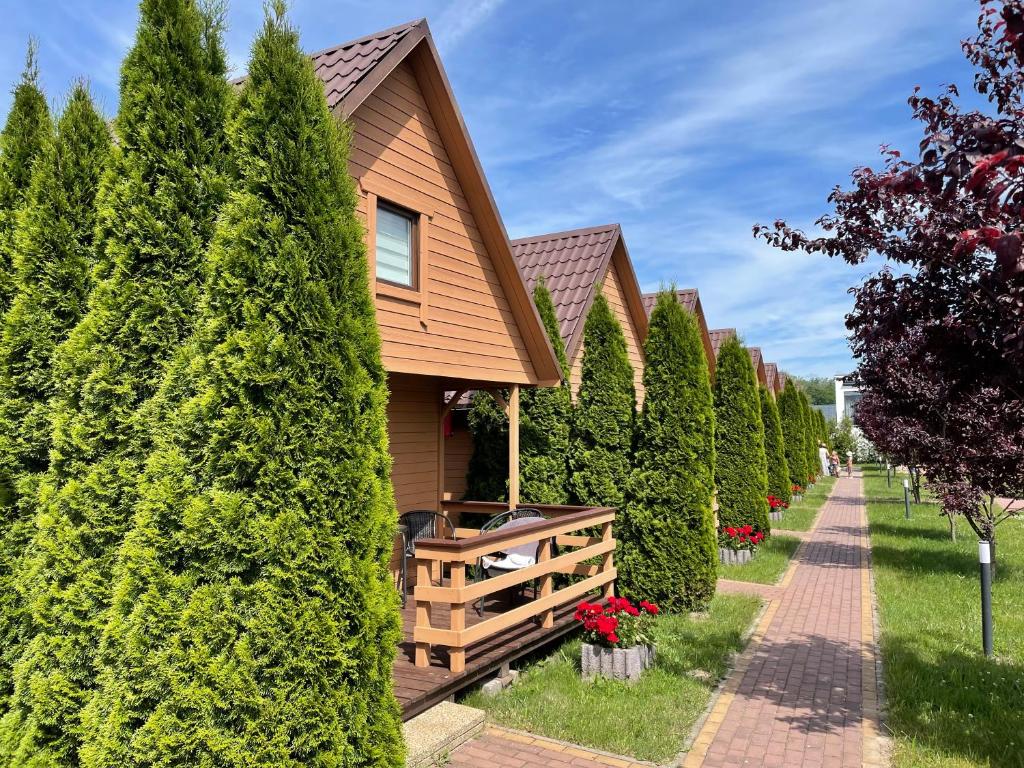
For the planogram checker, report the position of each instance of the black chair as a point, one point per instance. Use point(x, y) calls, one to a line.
point(515, 558)
point(420, 524)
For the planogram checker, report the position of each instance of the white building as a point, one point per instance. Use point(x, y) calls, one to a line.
point(848, 394)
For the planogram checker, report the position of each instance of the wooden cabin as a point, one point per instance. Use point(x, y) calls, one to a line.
point(758, 361)
point(455, 315)
point(690, 299)
point(575, 265)
point(771, 371)
point(718, 337)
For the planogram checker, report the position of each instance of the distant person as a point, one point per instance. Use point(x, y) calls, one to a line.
point(834, 463)
point(823, 458)
point(849, 463)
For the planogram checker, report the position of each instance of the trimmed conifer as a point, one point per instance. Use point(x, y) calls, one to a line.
point(487, 476)
point(254, 622)
point(774, 448)
point(741, 469)
point(156, 208)
point(52, 258)
point(810, 441)
point(601, 435)
point(544, 425)
point(667, 536)
point(26, 132)
point(791, 418)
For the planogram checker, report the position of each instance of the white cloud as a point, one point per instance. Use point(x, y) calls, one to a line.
point(460, 18)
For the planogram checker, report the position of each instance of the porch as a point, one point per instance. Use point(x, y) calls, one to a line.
point(449, 642)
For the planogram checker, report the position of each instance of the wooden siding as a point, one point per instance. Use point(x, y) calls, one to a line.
point(413, 425)
point(611, 287)
point(457, 322)
point(458, 448)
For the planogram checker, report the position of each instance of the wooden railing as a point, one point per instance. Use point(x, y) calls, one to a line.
point(561, 530)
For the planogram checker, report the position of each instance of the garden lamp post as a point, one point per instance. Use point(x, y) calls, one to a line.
point(985, 561)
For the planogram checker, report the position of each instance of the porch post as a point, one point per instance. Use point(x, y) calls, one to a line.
point(513, 447)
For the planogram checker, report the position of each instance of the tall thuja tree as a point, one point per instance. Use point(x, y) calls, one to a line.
point(810, 441)
point(53, 254)
point(25, 133)
point(487, 476)
point(156, 209)
point(667, 531)
point(544, 429)
point(741, 470)
point(602, 426)
point(792, 419)
point(254, 623)
point(774, 447)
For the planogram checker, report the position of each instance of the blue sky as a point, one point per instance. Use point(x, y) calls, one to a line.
point(687, 122)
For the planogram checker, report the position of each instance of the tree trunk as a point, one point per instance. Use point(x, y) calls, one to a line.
point(952, 527)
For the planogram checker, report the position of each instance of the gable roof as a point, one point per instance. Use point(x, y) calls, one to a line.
point(758, 360)
point(719, 337)
point(573, 264)
point(351, 71)
point(690, 300)
point(780, 381)
point(686, 296)
point(771, 372)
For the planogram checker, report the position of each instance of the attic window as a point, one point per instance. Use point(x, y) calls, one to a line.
point(395, 245)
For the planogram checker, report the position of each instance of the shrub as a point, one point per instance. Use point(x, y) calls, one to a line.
point(810, 442)
point(26, 132)
point(255, 573)
point(602, 425)
point(741, 469)
point(544, 425)
point(155, 214)
point(53, 249)
point(774, 447)
point(487, 478)
point(667, 530)
point(791, 418)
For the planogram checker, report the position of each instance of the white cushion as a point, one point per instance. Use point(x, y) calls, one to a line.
point(511, 562)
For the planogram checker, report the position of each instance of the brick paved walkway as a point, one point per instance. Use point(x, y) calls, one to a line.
point(804, 694)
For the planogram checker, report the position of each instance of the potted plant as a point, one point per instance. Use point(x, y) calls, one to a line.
point(737, 545)
point(617, 641)
point(797, 491)
point(777, 506)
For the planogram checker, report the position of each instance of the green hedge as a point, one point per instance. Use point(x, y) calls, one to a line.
point(544, 425)
point(667, 530)
point(601, 437)
point(52, 258)
point(255, 623)
point(741, 469)
point(774, 447)
point(487, 477)
point(27, 130)
point(155, 216)
point(791, 417)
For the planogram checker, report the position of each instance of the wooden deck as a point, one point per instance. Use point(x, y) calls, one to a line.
point(419, 688)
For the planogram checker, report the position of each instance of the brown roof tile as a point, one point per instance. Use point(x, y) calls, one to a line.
point(771, 371)
point(755, 356)
point(719, 336)
point(572, 264)
point(342, 67)
point(687, 297)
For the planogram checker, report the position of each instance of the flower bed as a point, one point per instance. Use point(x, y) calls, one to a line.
point(617, 640)
point(777, 506)
point(737, 545)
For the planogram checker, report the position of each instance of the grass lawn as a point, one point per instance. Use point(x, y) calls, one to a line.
point(648, 720)
point(769, 563)
point(948, 707)
point(800, 516)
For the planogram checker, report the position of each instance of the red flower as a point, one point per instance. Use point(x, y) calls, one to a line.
point(612, 637)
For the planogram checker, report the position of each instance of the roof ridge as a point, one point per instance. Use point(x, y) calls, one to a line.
point(406, 27)
point(566, 233)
